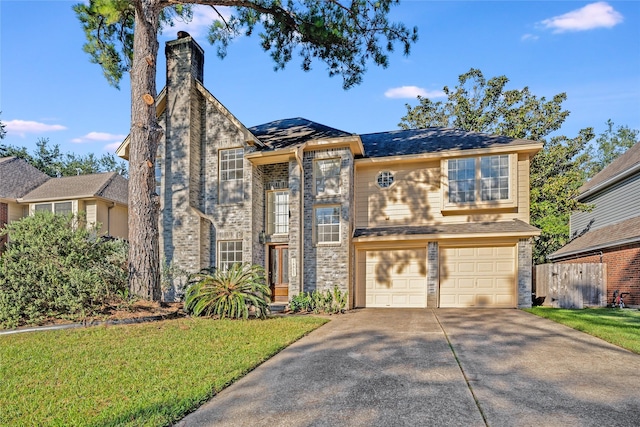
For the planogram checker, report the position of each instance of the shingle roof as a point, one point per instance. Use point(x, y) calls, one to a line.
point(627, 161)
point(612, 235)
point(17, 177)
point(429, 140)
point(515, 226)
point(288, 132)
point(109, 185)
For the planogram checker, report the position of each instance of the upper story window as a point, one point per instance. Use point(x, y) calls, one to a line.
point(231, 175)
point(278, 212)
point(58, 208)
point(327, 222)
point(385, 179)
point(462, 180)
point(494, 178)
point(327, 176)
point(158, 173)
point(481, 180)
point(229, 253)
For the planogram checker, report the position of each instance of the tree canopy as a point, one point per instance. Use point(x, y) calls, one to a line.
point(122, 36)
point(610, 145)
point(50, 160)
point(557, 172)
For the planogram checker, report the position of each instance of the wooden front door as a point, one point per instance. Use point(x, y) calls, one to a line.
point(279, 273)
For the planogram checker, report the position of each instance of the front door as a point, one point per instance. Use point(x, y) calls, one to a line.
point(279, 273)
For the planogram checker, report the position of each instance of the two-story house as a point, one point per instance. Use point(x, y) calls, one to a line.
point(610, 232)
point(418, 218)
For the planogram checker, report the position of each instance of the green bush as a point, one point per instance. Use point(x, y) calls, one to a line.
point(330, 301)
point(54, 267)
point(235, 293)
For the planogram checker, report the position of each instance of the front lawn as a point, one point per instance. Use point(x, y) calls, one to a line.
point(150, 374)
point(617, 326)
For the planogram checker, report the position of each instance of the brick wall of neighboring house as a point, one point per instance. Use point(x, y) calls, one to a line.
point(623, 270)
point(4, 220)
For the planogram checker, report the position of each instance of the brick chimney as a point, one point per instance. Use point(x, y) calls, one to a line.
point(184, 57)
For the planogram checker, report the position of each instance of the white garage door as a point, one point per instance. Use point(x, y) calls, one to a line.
point(395, 278)
point(478, 277)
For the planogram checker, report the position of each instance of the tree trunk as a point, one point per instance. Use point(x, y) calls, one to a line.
point(144, 258)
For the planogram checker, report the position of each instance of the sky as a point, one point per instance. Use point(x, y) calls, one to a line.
point(590, 50)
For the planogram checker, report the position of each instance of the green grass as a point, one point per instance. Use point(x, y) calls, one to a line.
point(136, 375)
point(619, 327)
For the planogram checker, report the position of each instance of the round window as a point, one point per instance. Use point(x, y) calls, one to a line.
point(385, 179)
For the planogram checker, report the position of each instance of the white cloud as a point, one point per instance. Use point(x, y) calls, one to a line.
point(98, 136)
point(594, 15)
point(23, 127)
point(531, 37)
point(111, 148)
point(203, 17)
point(412, 92)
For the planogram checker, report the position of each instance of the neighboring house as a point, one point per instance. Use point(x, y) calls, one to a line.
point(17, 178)
point(24, 190)
point(416, 218)
point(610, 232)
point(102, 196)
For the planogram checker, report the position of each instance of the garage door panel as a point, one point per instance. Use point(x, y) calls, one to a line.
point(395, 278)
point(478, 277)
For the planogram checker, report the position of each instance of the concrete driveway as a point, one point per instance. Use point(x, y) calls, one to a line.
point(418, 367)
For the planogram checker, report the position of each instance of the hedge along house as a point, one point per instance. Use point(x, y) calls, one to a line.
point(422, 218)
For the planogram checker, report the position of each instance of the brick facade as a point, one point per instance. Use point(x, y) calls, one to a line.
point(623, 270)
point(4, 220)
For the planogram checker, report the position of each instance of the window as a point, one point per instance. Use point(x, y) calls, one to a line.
point(494, 178)
point(480, 180)
point(229, 253)
point(462, 180)
point(278, 212)
point(59, 208)
point(327, 224)
point(327, 176)
point(231, 175)
point(385, 179)
point(158, 173)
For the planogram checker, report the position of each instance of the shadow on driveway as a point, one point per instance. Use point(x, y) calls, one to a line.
point(393, 367)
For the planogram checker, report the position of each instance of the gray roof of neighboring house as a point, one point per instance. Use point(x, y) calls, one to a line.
point(615, 171)
point(624, 232)
point(287, 132)
point(430, 140)
point(109, 185)
point(514, 226)
point(18, 177)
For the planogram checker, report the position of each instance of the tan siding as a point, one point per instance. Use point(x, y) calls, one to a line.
point(91, 210)
point(415, 197)
point(15, 211)
point(118, 222)
point(523, 187)
point(406, 201)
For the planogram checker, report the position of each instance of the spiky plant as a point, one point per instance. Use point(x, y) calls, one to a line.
point(235, 293)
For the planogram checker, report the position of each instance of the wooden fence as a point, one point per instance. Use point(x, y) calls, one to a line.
point(571, 285)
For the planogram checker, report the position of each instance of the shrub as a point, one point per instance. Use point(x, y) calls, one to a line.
point(235, 293)
point(330, 301)
point(54, 267)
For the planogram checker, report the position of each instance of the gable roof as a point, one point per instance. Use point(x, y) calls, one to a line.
point(287, 132)
point(431, 140)
point(624, 232)
point(18, 177)
point(625, 165)
point(110, 186)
